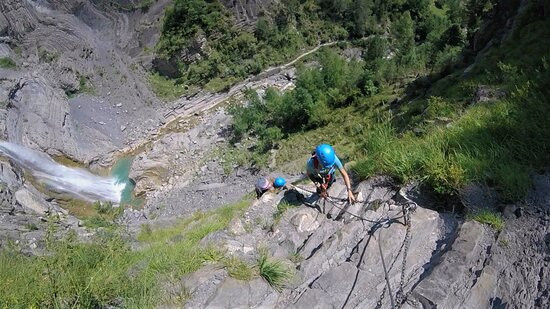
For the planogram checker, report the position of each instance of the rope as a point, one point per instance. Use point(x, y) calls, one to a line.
point(386, 275)
point(345, 201)
point(330, 198)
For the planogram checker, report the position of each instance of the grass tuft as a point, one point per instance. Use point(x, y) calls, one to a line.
point(239, 269)
point(275, 272)
point(282, 207)
point(165, 88)
point(489, 217)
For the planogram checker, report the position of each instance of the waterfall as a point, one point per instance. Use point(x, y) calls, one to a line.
point(77, 182)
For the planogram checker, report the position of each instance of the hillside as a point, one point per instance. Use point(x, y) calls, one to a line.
point(133, 132)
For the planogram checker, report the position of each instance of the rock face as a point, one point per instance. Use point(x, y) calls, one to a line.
point(339, 260)
point(76, 79)
point(248, 11)
point(24, 215)
point(178, 154)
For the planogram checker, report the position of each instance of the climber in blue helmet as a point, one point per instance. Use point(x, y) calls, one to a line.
point(264, 184)
point(320, 169)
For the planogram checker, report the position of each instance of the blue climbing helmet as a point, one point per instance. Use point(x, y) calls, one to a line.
point(279, 182)
point(325, 154)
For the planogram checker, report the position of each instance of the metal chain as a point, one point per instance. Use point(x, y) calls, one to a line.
point(400, 296)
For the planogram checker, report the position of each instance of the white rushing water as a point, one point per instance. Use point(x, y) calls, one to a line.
point(59, 178)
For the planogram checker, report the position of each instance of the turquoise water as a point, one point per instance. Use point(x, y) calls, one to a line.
point(120, 171)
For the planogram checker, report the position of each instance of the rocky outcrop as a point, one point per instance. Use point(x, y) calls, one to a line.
point(340, 257)
point(339, 260)
point(25, 214)
point(175, 157)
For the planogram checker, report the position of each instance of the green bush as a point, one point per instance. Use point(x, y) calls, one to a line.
point(318, 90)
point(7, 63)
point(166, 88)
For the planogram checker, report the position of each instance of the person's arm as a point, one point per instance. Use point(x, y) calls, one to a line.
point(351, 197)
point(347, 181)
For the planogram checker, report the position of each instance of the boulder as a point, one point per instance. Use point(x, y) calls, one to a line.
point(32, 202)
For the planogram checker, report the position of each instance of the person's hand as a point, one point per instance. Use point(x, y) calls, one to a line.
point(351, 197)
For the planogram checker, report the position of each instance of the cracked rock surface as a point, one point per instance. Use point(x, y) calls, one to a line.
point(449, 263)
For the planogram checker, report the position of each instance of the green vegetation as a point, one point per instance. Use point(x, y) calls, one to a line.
point(499, 142)
point(239, 269)
point(84, 86)
point(47, 56)
point(503, 243)
point(31, 227)
point(218, 52)
point(221, 53)
point(143, 5)
point(7, 63)
point(489, 217)
point(106, 272)
point(104, 215)
point(433, 133)
point(275, 272)
point(295, 257)
point(166, 88)
point(308, 106)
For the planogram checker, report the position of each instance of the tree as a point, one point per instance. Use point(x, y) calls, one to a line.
point(378, 47)
point(264, 29)
point(403, 34)
point(362, 17)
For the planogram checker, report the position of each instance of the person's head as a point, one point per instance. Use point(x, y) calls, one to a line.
point(279, 182)
point(263, 183)
point(325, 154)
